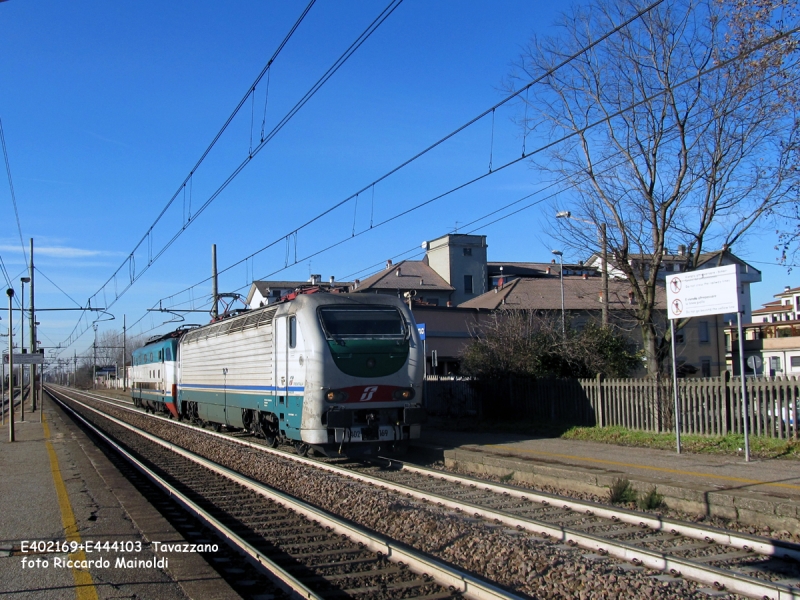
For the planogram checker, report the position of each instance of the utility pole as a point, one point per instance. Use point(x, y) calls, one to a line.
point(10, 294)
point(33, 341)
point(604, 242)
point(124, 353)
point(94, 357)
point(23, 281)
point(214, 288)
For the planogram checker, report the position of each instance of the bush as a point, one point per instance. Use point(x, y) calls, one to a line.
point(650, 500)
point(526, 344)
point(621, 492)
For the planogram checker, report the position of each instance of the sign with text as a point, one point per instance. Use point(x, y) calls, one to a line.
point(421, 330)
point(25, 359)
point(703, 292)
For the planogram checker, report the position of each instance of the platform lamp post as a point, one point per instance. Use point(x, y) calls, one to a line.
point(565, 214)
point(560, 256)
point(10, 293)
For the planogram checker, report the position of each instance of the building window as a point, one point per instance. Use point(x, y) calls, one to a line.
point(276, 293)
point(434, 301)
point(670, 267)
point(795, 362)
point(705, 367)
point(467, 251)
point(468, 284)
point(775, 364)
point(702, 332)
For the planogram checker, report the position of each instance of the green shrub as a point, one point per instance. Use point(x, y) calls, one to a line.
point(650, 500)
point(621, 492)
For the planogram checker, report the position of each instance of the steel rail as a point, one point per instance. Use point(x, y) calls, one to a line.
point(280, 577)
point(708, 534)
point(443, 574)
point(718, 578)
point(758, 545)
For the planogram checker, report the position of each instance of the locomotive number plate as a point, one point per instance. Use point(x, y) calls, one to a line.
point(354, 435)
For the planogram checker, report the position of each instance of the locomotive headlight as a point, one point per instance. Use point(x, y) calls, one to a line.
point(403, 394)
point(335, 396)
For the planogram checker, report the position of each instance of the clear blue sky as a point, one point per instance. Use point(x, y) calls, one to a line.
point(106, 107)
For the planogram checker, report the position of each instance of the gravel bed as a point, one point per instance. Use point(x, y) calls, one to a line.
point(519, 561)
point(664, 511)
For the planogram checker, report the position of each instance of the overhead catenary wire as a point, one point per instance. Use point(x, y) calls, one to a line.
point(461, 186)
point(13, 196)
point(134, 276)
point(526, 155)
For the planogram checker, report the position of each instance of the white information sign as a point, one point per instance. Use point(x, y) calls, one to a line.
point(703, 292)
point(25, 359)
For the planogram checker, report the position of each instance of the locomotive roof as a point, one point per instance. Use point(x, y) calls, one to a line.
point(262, 316)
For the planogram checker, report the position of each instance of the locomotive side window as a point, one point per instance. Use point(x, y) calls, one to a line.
point(168, 353)
point(340, 322)
point(292, 332)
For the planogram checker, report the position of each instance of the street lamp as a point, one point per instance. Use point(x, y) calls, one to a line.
point(560, 256)
point(565, 214)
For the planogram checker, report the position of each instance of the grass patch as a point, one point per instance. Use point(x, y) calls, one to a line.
point(650, 500)
point(507, 478)
point(761, 447)
point(621, 492)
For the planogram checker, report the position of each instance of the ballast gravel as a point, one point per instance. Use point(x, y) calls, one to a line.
point(526, 564)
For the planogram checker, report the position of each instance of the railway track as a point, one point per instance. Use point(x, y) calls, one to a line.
point(724, 561)
point(305, 551)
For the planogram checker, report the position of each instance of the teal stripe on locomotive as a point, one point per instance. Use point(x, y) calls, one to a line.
point(226, 407)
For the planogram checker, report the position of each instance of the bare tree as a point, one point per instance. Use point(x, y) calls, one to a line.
point(766, 31)
point(659, 136)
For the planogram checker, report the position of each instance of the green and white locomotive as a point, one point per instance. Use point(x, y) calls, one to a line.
point(339, 373)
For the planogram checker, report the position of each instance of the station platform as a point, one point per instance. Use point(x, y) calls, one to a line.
point(57, 487)
point(759, 493)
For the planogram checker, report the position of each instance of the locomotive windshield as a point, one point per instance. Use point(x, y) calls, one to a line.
point(339, 322)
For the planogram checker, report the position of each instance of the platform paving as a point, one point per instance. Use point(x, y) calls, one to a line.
point(57, 486)
point(762, 492)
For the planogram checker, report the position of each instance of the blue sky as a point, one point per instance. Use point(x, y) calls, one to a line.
point(106, 107)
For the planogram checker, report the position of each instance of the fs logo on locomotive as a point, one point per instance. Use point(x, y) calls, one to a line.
point(368, 392)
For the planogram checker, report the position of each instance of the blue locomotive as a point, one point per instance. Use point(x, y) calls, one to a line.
point(339, 373)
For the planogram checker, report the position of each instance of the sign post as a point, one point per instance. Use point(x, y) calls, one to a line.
point(698, 293)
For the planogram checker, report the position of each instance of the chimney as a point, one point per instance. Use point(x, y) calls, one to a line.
point(630, 297)
point(356, 283)
point(681, 250)
point(449, 304)
point(397, 272)
point(585, 276)
point(600, 297)
point(420, 281)
point(333, 281)
point(315, 279)
point(389, 263)
point(548, 271)
point(786, 288)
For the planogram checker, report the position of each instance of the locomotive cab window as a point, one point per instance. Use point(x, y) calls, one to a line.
point(378, 322)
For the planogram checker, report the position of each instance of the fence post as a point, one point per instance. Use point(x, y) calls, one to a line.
point(599, 399)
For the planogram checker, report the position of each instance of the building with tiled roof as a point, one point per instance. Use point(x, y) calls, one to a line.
point(262, 293)
point(414, 276)
point(772, 340)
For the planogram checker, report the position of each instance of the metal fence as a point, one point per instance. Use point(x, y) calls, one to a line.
point(709, 406)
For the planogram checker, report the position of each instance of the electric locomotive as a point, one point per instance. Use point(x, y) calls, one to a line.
point(339, 373)
point(154, 374)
